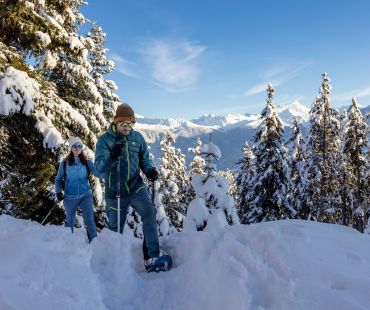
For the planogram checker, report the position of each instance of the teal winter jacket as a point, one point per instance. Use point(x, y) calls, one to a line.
point(134, 156)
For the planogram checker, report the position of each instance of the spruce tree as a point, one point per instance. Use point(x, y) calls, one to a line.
point(346, 188)
point(212, 207)
point(321, 197)
point(230, 175)
point(296, 157)
point(198, 162)
point(173, 182)
point(244, 180)
point(101, 66)
point(45, 101)
point(268, 198)
point(355, 167)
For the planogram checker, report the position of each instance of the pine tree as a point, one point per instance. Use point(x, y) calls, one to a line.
point(244, 180)
point(296, 157)
point(354, 168)
point(268, 198)
point(212, 206)
point(321, 180)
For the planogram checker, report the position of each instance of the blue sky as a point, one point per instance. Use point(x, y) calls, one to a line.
point(183, 59)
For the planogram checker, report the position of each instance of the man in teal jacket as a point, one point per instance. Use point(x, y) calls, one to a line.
point(122, 144)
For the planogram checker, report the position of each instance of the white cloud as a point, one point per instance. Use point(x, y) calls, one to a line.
point(173, 64)
point(124, 66)
point(273, 71)
point(258, 88)
point(357, 93)
point(279, 74)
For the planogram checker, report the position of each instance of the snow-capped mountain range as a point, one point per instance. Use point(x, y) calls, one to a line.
point(229, 132)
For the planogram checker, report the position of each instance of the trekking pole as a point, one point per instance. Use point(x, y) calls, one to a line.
point(145, 248)
point(118, 196)
point(46, 217)
point(153, 191)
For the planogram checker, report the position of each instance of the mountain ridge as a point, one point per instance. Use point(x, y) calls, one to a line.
point(229, 131)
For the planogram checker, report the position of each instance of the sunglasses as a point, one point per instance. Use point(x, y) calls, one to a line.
point(126, 124)
point(77, 146)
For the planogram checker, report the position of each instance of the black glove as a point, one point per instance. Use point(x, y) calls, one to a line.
point(152, 174)
point(60, 196)
point(116, 151)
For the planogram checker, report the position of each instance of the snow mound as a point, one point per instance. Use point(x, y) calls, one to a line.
point(277, 265)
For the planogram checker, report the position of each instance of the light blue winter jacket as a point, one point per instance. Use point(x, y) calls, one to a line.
point(77, 183)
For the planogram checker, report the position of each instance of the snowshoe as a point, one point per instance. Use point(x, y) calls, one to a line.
point(157, 264)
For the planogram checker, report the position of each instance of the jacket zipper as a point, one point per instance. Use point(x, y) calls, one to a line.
point(78, 181)
point(128, 167)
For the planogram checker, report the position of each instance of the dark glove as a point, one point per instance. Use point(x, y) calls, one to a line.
point(116, 151)
point(152, 174)
point(60, 196)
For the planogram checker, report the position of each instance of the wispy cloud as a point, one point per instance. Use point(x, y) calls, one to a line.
point(276, 76)
point(274, 71)
point(259, 88)
point(124, 66)
point(357, 93)
point(173, 64)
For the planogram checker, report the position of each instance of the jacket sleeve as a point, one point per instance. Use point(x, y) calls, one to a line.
point(59, 178)
point(103, 161)
point(145, 162)
point(95, 171)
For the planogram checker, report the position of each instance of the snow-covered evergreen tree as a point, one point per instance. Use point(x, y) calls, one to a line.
point(244, 180)
point(321, 197)
point(267, 200)
point(198, 162)
point(230, 176)
point(173, 183)
point(100, 67)
point(346, 189)
point(296, 157)
point(213, 206)
point(42, 106)
point(354, 168)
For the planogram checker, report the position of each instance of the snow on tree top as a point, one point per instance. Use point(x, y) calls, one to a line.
point(211, 148)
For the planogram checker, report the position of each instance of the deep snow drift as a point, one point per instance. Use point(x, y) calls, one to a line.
point(276, 265)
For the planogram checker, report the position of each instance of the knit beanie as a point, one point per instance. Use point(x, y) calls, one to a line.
point(74, 140)
point(124, 113)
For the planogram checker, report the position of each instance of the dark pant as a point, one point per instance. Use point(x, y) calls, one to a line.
point(85, 204)
point(143, 205)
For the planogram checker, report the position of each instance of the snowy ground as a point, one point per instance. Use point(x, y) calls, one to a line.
point(277, 265)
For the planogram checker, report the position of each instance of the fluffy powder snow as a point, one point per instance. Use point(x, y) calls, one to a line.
point(211, 148)
point(277, 265)
point(44, 37)
point(17, 92)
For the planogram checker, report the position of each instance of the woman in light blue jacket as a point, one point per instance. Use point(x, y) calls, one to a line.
point(73, 177)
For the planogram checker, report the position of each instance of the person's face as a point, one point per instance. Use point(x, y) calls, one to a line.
point(124, 128)
point(77, 149)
